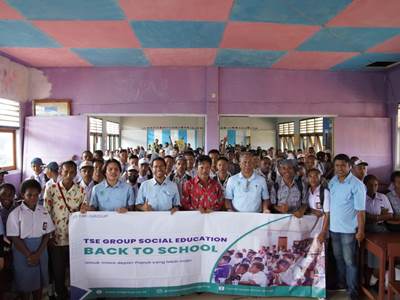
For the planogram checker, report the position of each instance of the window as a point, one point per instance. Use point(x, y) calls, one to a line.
point(113, 137)
point(96, 133)
point(286, 135)
point(311, 133)
point(9, 124)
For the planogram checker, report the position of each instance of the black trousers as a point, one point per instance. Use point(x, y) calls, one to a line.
point(59, 256)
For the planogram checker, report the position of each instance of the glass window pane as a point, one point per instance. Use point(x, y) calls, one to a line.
point(6, 149)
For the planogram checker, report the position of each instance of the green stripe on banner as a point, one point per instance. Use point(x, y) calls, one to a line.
point(274, 291)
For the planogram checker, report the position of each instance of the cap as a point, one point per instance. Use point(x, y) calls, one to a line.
point(360, 162)
point(3, 172)
point(180, 157)
point(53, 166)
point(132, 168)
point(301, 156)
point(85, 164)
point(143, 161)
point(37, 161)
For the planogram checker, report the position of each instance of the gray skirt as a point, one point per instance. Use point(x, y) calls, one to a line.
point(30, 278)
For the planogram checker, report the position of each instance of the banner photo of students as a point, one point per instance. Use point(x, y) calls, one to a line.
point(156, 254)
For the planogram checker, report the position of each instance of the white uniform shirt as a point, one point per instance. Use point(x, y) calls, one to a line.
point(25, 223)
point(259, 278)
point(375, 205)
point(314, 200)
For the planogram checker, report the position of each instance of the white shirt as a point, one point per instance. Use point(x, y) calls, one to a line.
point(314, 199)
point(259, 278)
point(88, 189)
point(25, 223)
point(374, 206)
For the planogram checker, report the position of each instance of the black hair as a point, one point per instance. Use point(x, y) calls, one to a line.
point(223, 158)
point(227, 258)
point(87, 151)
point(314, 170)
point(132, 156)
point(213, 151)
point(342, 157)
point(204, 158)
point(69, 163)
point(168, 156)
point(245, 266)
point(8, 186)
point(99, 152)
point(370, 177)
point(158, 159)
point(30, 184)
point(394, 175)
point(123, 151)
point(99, 161)
point(259, 265)
point(189, 153)
point(111, 161)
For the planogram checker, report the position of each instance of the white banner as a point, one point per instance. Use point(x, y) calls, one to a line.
point(156, 254)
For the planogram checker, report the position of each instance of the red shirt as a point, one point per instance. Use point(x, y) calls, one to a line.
point(196, 195)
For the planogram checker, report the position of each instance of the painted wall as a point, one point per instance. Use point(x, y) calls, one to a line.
point(54, 139)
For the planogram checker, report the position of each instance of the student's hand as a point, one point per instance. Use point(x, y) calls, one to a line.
point(84, 208)
point(1, 263)
point(33, 259)
point(122, 210)
point(146, 206)
point(266, 211)
point(360, 236)
point(283, 208)
point(321, 237)
point(298, 213)
point(317, 213)
point(203, 210)
point(174, 210)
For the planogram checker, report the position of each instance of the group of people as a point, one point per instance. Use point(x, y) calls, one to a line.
point(232, 179)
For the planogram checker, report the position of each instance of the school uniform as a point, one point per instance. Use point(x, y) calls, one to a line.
point(41, 178)
point(314, 199)
point(30, 226)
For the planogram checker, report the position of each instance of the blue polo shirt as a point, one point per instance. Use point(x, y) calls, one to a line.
point(109, 198)
point(347, 199)
point(161, 197)
point(246, 193)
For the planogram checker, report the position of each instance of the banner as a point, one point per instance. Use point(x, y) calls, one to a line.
point(155, 254)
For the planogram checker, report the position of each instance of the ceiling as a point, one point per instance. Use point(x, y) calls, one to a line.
point(281, 34)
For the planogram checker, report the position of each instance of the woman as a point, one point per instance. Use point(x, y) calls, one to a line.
point(111, 194)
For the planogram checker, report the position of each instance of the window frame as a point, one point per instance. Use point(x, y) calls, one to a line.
point(306, 138)
point(287, 140)
point(13, 131)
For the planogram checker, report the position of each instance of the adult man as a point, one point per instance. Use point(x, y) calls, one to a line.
point(247, 191)
point(202, 192)
point(158, 193)
point(287, 194)
point(360, 169)
point(347, 221)
point(179, 175)
point(190, 159)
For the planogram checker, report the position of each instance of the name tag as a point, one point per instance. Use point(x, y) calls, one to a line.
point(318, 205)
point(44, 227)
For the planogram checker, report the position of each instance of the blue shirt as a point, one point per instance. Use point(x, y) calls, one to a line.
point(109, 198)
point(347, 199)
point(246, 193)
point(161, 197)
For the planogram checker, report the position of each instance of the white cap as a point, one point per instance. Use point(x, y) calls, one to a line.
point(85, 163)
point(131, 167)
point(143, 161)
point(360, 162)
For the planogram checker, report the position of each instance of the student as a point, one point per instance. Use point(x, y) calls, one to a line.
point(98, 175)
point(222, 174)
point(61, 200)
point(2, 174)
point(133, 175)
point(394, 198)
point(179, 175)
point(98, 154)
point(7, 197)
point(190, 159)
point(37, 168)
point(111, 194)
point(29, 226)
point(158, 193)
point(86, 171)
point(318, 201)
point(87, 155)
point(123, 159)
point(214, 155)
point(51, 173)
point(360, 169)
point(288, 193)
point(247, 191)
point(255, 275)
point(133, 160)
point(223, 270)
point(347, 222)
point(170, 161)
point(202, 192)
point(144, 170)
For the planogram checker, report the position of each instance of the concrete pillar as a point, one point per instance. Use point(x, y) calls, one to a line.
point(212, 109)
